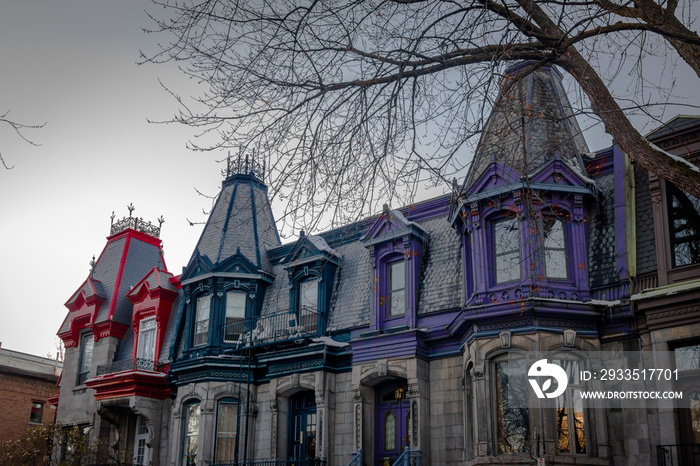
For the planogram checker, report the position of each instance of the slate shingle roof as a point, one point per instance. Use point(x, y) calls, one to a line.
point(532, 122)
point(602, 262)
point(441, 283)
point(241, 219)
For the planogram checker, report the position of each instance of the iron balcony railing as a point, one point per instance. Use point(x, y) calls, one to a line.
point(278, 462)
point(408, 458)
point(686, 454)
point(356, 458)
point(135, 364)
point(273, 328)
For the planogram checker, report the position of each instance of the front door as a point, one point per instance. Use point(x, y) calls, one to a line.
point(392, 423)
point(302, 434)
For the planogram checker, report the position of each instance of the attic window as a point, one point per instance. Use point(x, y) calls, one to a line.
point(308, 295)
point(397, 289)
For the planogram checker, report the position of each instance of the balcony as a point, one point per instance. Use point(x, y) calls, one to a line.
point(130, 377)
point(282, 326)
point(135, 364)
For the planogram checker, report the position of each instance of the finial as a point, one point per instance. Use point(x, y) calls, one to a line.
point(301, 233)
point(131, 208)
point(111, 219)
point(161, 221)
point(92, 265)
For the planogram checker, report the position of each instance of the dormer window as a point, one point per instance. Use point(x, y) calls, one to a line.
point(555, 263)
point(507, 250)
point(201, 321)
point(87, 343)
point(147, 340)
point(397, 289)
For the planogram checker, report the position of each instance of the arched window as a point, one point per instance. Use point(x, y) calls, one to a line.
point(512, 407)
point(570, 415)
point(192, 416)
point(226, 430)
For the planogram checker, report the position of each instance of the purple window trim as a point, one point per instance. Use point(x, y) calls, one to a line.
point(477, 237)
point(410, 250)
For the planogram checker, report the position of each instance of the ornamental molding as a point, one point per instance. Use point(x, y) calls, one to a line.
point(296, 366)
point(670, 314)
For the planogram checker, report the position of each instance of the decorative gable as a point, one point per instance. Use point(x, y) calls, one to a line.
point(153, 296)
point(392, 224)
point(83, 307)
point(396, 245)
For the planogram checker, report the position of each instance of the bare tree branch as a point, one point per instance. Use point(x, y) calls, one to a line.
point(355, 103)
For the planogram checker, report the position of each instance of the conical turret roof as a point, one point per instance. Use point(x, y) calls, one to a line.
point(530, 125)
point(241, 221)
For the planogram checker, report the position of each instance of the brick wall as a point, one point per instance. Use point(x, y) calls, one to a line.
point(17, 393)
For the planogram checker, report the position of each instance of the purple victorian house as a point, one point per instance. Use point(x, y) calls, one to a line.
point(416, 336)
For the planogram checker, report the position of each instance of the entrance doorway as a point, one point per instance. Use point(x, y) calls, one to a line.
point(392, 422)
point(302, 426)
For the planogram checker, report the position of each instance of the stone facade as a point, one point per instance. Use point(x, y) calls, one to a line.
point(411, 332)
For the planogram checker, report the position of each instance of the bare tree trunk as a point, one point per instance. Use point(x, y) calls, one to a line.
point(622, 131)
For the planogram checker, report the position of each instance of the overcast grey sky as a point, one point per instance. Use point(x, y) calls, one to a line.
point(72, 64)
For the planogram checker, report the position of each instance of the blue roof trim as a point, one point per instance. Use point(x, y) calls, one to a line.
point(255, 227)
point(228, 218)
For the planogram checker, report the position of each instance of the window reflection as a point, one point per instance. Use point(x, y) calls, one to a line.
point(507, 250)
point(397, 289)
point(571, 421)
point(512, 415)
point(684, 220)
point(192, 415)
point(554, 249)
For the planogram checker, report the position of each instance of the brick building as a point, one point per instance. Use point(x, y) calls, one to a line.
point(27, 384)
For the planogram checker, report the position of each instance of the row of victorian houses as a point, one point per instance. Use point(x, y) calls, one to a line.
point(402, 332)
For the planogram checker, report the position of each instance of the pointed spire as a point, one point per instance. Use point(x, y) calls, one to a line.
point(530, 125)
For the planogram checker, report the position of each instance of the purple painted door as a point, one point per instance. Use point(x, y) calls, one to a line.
point(392, 423)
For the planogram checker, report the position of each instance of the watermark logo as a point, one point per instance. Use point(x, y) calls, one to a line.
point(542, 370)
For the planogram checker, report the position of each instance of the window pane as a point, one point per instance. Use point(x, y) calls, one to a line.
point(226, 431)
point(684, 220)
point(554, 249)
point(397, 289)
point(86, 345)
point(390, 431)
point(309, 294)
point(191, 433)
point(147, 340)
point(507, 250)
point(36, 412)
point(562, 426)
point(513, 421)
point(201, 324)
point(235, 306)
point(579, 423)
point(687, 358)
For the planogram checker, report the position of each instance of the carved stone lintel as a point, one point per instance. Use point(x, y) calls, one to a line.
point(382, 367)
